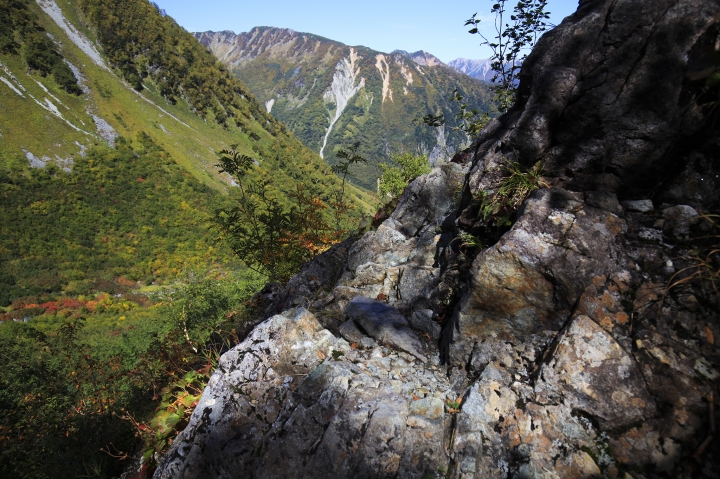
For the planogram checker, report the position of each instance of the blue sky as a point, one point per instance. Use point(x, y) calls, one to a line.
point(433, 26)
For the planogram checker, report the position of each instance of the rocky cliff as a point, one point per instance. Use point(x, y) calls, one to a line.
point(579, 343)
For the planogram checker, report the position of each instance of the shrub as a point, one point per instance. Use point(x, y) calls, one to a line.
point(197, 308)
point(394, 180)
point(269, 235)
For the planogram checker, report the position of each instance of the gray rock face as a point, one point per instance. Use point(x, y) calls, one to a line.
point(525, 286)
point(315, 276)
point(643, 206)
point(401, 259)
point(592, 373)
point(497, 417)
point(565, 353)
point(245, 395)
point(385, 324)
point(293, 400)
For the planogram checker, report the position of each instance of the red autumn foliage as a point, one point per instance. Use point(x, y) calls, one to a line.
point(126, 282)
point(21, 303)
point(50, 306)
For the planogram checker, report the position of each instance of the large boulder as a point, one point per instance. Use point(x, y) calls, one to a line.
point(590, 372)
point(292, 400)
point(524, 287)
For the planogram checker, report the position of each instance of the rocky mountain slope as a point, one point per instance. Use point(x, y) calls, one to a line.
point(479, 69)
point(331, 95)
point(574, 346)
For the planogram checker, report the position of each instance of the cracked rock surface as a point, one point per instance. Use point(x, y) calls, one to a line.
point(293, 397)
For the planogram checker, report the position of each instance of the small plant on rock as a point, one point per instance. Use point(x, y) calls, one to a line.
point(512, 190)
point(468, 242)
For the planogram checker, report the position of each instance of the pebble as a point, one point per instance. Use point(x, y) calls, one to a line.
point(642, 206)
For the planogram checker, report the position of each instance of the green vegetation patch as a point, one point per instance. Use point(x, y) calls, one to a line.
point(20, 33)
point(130, 212)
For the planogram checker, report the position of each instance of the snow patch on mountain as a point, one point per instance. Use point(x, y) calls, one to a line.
point(47, 92)
point(406, 73)
point(65, 164)
point(104, 129)
point(80, 77)
point(49, 106)
point(12, 87)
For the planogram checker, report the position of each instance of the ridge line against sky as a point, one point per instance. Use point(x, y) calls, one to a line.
point(380, 25)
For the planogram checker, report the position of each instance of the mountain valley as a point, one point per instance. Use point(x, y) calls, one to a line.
point(202, 276)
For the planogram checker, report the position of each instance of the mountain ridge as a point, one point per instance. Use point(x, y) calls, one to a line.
point(331, 94)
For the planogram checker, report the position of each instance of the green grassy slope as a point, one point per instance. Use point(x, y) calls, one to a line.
point(75, 211)
point(189, 135)
point(121, 213)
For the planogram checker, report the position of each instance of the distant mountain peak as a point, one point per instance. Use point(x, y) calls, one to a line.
point(480, 69)
point(421, 57)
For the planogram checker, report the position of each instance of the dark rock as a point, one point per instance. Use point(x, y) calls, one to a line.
point(422, 320)
point(385, 324)
point(679, 220)
point(350, 331)
point(604, 200)
point(642, 206)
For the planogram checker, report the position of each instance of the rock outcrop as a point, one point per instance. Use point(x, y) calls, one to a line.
point(293, 400)
point(575, 344)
